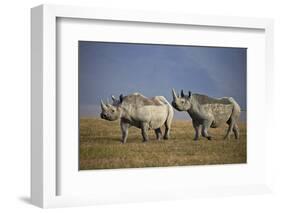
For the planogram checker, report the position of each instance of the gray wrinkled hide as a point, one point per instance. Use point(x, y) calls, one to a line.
point(207, 112)
point(141, 112)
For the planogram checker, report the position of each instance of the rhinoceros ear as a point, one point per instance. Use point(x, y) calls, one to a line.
point(113, 98)
point(189, 93)
point(121, 98)
point(182, 93)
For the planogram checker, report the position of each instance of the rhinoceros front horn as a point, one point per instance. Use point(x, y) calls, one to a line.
point(103, 106)
point(113, 98)
point(174, 94)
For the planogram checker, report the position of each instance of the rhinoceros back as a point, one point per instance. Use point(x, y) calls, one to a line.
point(221, 109)
point(137, 108)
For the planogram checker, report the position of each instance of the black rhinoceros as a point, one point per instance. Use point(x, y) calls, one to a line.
point(141, 112)
point(207, 112)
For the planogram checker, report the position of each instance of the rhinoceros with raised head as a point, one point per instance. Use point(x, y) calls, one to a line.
point(141, 112)
point(207, 112)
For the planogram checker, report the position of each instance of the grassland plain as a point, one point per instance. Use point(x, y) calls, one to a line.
point(100, 147)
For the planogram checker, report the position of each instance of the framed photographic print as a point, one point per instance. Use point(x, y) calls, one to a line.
point(129, 106)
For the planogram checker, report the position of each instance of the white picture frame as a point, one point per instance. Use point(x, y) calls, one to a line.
point(44, 154)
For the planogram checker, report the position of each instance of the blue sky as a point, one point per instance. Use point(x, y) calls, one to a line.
point(107, 68)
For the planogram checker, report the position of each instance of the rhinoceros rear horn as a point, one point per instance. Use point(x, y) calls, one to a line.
point(103, 106)
point(113, 98)
point(121, 98)
point(107, 102)
point(174, 94)
point(189, 93)
point(182, 93)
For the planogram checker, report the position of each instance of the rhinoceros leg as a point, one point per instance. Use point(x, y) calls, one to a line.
point(168, 124)
point(206, 125)
point(197, 128)
point(167, 133)
point(158, 133)
point(144, 129)
point(230, 128)
point(124, 130)
point(167, 130)
point(236, 131)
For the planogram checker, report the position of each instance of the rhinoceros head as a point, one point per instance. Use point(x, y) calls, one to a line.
point(181, 102)
point(110, 112)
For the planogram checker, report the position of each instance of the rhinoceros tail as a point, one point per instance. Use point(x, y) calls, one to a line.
point(170, 108)
point(162, 99)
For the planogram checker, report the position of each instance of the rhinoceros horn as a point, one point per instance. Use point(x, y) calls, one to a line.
point(174, 94)
point(103, 106)
point(107, 102)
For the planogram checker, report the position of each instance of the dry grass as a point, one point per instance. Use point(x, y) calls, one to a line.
point(100, 147)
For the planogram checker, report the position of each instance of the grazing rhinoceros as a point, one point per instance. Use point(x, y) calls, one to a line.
point(141, 112)
point(207, 112)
